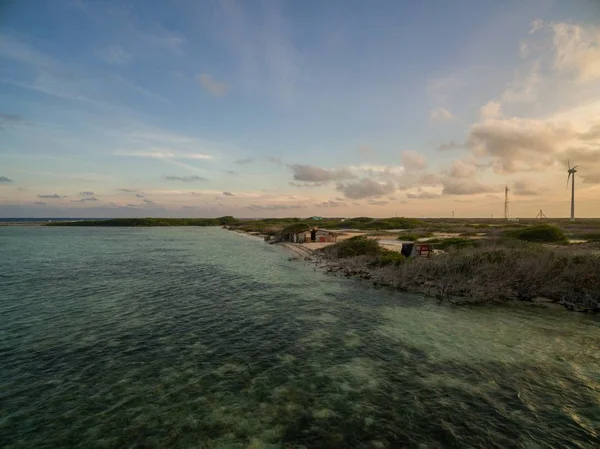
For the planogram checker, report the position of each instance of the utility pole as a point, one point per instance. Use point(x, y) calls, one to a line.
point(506, 203)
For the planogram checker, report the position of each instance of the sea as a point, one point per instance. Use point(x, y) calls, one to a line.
point(204, 338)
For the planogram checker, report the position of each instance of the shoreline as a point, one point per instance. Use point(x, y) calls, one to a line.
point(439, 289)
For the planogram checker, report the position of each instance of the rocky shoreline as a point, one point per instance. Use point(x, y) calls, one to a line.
point(448, 288)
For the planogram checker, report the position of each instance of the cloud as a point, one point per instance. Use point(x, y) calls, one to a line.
point(592, 134)
point(451, 146)
point(271, 207)
point(366, 188)
point(440, 115)
point(461, 169)
point(52, 196)
point(231, 172)
point(150, 202)
point(454, 186)
point(7, 120)
point(41, 203)
point(535, 26)
point(139, 195)
point(523, 188)
point(377, 202)
point(491, 109)
point(86, 193)
point(518, 144)
point(423, 195)
point(211, 85)
point(245, 161)
point(365, 149)
point(116, 55)
point(593, 178)
point(275, 160)
point(159, 153)
point(413, 160)
point(332, 204)
point(127, 190)
point(310, 173)
point(228, 194)
point(524, 87)
point(577, 50)
point(5, 180)
point(185, 178)
point(131, 205)
point(83, 200)
point(390, 172)
point(306, 184)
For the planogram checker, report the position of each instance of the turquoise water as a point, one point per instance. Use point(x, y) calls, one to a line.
point(202, 338)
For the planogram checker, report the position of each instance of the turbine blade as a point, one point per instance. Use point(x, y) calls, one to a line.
point(575, 167)
point(568, 178)
point(569, 164)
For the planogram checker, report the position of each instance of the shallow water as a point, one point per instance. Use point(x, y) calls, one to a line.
point(198, 337)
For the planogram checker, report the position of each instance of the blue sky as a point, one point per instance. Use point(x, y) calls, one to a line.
point(189, 108)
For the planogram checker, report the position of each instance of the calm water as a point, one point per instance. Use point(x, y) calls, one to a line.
point(195, 337)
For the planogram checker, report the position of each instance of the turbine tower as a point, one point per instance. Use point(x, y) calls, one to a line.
point(572, 172)
point(506, 203)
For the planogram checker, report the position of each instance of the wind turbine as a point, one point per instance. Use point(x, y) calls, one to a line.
point(572, 171)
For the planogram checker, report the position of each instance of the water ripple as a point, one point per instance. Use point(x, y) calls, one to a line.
point(201, 338)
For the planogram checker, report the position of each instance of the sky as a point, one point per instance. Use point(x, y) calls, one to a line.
point(261, 108)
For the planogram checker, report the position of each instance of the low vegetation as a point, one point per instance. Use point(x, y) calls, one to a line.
point(453, 243)
point(540, 234)
point(221, 221)
point(364, 247)
point(481, 274)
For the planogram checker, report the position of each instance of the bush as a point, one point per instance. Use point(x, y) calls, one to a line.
point(539, 234)
point(388, 257)
point(453, 242)
point(355, 246)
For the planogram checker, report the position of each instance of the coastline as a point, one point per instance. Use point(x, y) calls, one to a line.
point(442, 288)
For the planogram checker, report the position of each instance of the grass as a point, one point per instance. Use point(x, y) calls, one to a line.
point(539, 234)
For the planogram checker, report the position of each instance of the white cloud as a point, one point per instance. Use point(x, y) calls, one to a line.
point(577, 50)
point(366, 188)
point(440, 115)
point(491, 109)
point(160, 153)
point(462, 169)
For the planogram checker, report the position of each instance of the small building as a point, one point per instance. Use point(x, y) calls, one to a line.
point(322, 235)
point(307, 235)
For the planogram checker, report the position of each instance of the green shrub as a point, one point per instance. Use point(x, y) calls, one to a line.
point(539, 234)
point(389, 257)
point(453, 242)
point(355, 246)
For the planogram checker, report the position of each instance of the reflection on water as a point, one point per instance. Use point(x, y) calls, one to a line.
point(203, 338)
